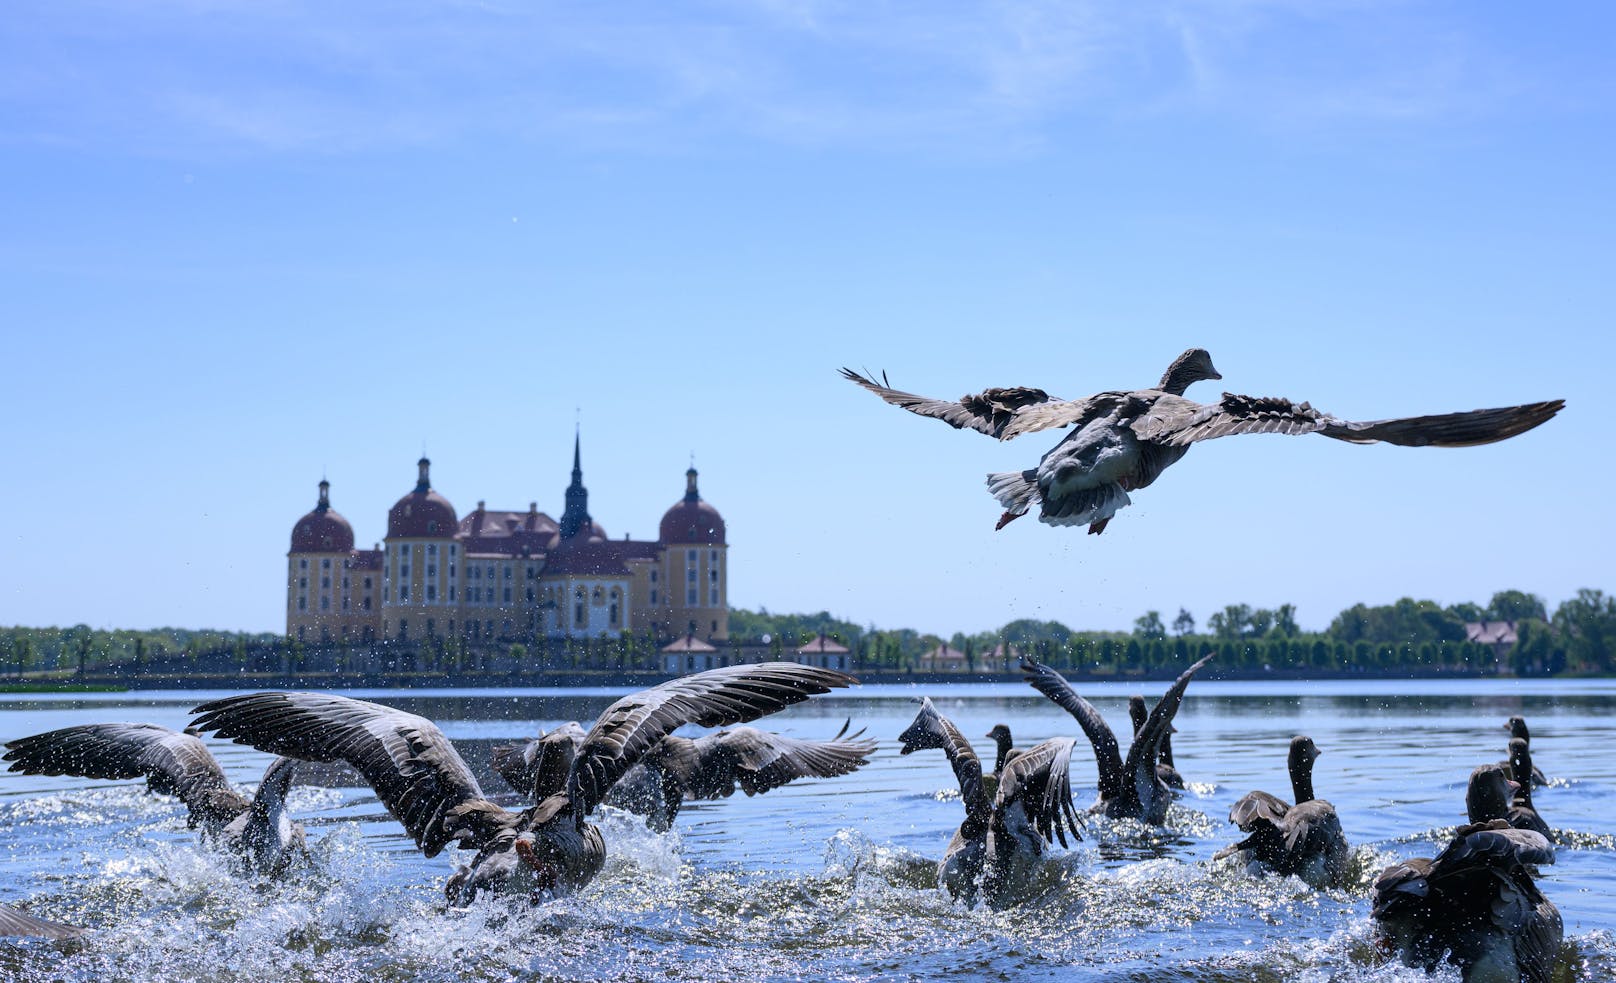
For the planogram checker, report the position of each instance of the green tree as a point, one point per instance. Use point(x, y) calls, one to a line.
point(1515, 605)
point(1149, 626)
point(1184, 624)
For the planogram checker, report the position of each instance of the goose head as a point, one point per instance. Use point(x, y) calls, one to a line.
point(1000, 735)
point(1520, 761)
point(1489, 794)
point(1191, 367)
point(1517, 728)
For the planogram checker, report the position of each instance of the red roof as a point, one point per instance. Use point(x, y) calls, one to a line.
point(423, 513)
point(581, 557)
point(322, 531)
point(689, 643)
point(821, 645)
point(507, 533)
point(692, 520)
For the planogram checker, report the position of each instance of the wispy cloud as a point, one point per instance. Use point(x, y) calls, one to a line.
point(305, 77)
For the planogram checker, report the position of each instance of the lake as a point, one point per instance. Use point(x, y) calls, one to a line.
point(822, 880)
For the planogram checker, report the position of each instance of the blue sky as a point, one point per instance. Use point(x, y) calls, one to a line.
point(243, 245)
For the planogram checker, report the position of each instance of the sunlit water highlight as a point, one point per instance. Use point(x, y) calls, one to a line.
point(829, 880)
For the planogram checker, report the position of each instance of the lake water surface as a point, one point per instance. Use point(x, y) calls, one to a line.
point(822, 880)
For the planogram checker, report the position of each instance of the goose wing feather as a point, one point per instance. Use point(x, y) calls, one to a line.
point(14, 923)
point(172, 763)
point(414, 770)
point(1255, 807)
point(1176, 421)
point(1003, 413)
point(759, 760)
point(1107, 757)
point(1041, 779)
point(1140, 768)
point(715, 698)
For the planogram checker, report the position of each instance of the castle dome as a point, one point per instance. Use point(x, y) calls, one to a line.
point(323, 530)
point(692, 520)
point(423, 513)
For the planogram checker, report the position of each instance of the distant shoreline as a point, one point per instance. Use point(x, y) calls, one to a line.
point(602, 679)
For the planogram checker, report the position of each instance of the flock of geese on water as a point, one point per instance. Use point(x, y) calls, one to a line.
point(1475, 904)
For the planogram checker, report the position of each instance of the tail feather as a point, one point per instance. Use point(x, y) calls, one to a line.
point(1017, 491)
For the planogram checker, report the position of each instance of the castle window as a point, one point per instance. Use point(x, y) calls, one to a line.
point(507, 595)
point(344, 604)
point(302, 583)
point(472, 627)
point(451, 570)
point(712, 555)
point(712, 575)
point(325, 583)
point(432, 592)
point(598, 596)
point(690, 575)
point(653, 596)
point(532, 572)
point(404, 572)
point(303, 564)
point(690, 598)
point(403, 628)
point(431, 525)
point(325, 564)
point(653, 575)
point(614, 614)
point(578, 614)
point(325, 603)
point(404, 593)
point(431, 626)
point(367, 583)
point(451, 592)
point(505, 628)
point(431, 549)
point(712, 598)
point(345, 583)
point(490, 573)
point(715, 626)
point(365, 604)
point(690, 557)
point(432, 570)
point(451, 551)
point(302, 604)
point(507, 573)
point(530, 595)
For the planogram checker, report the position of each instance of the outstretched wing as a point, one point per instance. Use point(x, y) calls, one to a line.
point(172, 764)
point(1106, 755)
point(715, 698)
point(1001, 413)
point(1175, 421)
point(760, 760)
point(415, 771)
point(1140, 768)
point(1041, 780)
point(1255, 807)
point(15, 924)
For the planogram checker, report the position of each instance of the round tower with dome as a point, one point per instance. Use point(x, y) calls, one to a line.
point(320, 599)
point(420, 564)
point(690, 588)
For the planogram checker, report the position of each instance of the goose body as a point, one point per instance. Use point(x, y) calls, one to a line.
point(1121, 441)
point(1304, 839)
point(1475, 905)
point(714, 766)
point(995, 851)
point(1130, 788)
point(256, 831)
point(548, 849)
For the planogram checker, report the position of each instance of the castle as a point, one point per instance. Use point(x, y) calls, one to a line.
point(506, 575)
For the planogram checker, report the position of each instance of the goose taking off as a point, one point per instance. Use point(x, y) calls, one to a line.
point(1122, 441)
point(1137, 715)
point(1304, 839)
point(548, 849)
point(20, 924)
point(997, 847)
point(256, 830)
point(1129, 788)
point(1476, 904)
point(681, 769)
point(1517, 729)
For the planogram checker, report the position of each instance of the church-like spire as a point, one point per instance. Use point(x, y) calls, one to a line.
point(324, 504)
point(576, 516)
point(424, 482)
point(691, 495)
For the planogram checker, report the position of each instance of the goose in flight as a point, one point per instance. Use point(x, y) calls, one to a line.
point(1121, 441)
point(548, 849)
point(682, 769)
point(20, 924)
point(1304, 839)
point(257, 830)
point(996, 849)
point(1130, 788)
point(1475, 905)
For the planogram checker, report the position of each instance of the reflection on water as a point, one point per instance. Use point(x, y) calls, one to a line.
point(832, 880)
